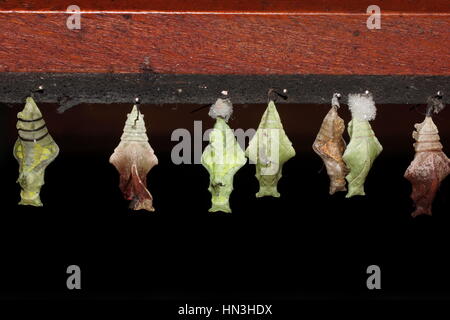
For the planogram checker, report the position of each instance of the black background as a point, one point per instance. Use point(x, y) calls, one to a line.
point(306, 246)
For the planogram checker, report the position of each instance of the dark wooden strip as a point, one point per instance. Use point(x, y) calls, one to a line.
point(232, 5)
point(226, 44)
point(71, 89)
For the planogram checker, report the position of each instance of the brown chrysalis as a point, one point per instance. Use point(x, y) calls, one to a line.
point(330, 146)
point(134, 158)
point(430, 165)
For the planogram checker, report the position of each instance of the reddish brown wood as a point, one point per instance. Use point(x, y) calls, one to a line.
point(291, 6)
point(412, 42)
point(225, 44)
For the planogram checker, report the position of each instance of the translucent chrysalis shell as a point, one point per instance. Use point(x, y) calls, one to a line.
point(429, 167)
point(223, 157)
point(134, 158)
point(364, 146)
point(34, 151)
point(330, 146)
point(269, 150)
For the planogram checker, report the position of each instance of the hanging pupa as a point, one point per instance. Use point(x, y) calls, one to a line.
point(430, 165)
point(34, 151)
point(134, 158)
point(269, 149)
point(330, 146)
point(364, 147)
point(223, 156)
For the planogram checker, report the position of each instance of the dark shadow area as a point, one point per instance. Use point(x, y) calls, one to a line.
point(305, 245)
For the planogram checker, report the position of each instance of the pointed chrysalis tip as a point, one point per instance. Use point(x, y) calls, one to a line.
point(135, 115)
point(362, 106)
point(30, 111)
point(135, 109)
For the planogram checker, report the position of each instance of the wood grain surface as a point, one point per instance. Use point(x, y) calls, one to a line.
point(264, 6)
point(225, 44)
point(413, 41)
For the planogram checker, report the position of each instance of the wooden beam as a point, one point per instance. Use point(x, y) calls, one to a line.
point(227, 37)
point(220, 6)
point(71, 89)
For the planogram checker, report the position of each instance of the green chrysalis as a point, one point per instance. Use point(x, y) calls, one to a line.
point(269, 149)
point(364, 147)
point(223, 157)
point(34, 151)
